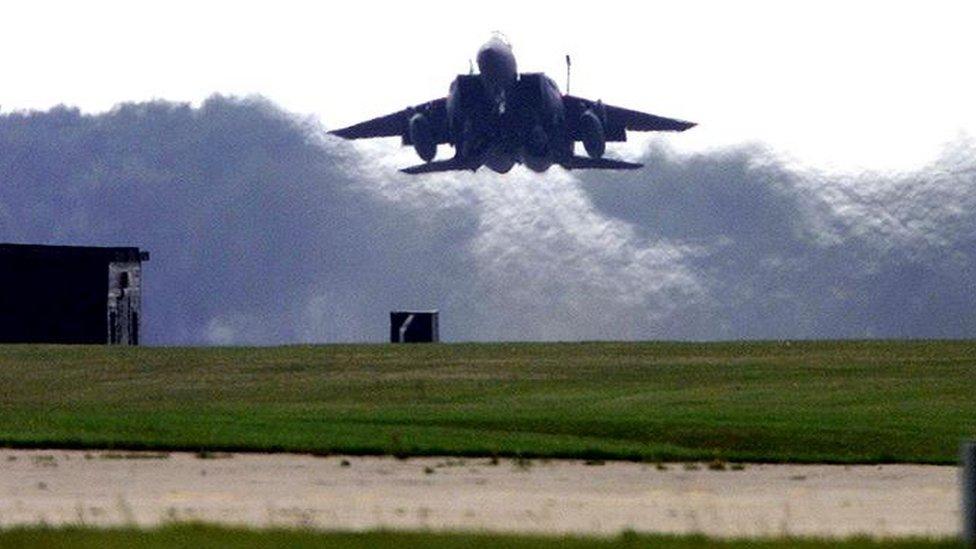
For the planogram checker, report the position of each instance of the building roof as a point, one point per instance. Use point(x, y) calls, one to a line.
point(108, 254)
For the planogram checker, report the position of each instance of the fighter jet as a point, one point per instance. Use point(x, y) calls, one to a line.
point(499, 117)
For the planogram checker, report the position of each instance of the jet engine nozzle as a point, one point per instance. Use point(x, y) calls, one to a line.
point(422, 137)
point(538, 141)
point(593, 137)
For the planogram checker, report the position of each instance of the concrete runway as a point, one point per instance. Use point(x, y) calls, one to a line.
point(557, 496)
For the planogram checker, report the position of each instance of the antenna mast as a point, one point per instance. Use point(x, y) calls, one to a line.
point(568, 64)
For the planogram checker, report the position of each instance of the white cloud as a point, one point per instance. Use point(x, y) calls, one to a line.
point(261, 233)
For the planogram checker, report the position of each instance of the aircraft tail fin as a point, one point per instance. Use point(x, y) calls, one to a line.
point(587, 163)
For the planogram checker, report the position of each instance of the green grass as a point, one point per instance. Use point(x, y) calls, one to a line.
point(842, 402)
point(202, 536)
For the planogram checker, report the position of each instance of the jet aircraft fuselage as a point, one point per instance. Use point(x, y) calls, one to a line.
point(498, 118)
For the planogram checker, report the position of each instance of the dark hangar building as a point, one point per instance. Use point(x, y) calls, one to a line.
point(70, 294)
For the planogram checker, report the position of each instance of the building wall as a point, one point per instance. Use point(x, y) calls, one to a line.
point(124, 311)
point(52, 300)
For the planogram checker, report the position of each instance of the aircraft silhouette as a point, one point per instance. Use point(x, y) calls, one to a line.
point(498, 118)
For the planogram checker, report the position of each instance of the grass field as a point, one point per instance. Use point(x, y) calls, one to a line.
point(843, 402)
point(200, 536)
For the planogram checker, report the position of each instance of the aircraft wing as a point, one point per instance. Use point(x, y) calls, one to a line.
point(398, 123)
point(618, 119)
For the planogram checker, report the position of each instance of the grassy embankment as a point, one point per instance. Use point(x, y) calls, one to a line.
point(842, 402)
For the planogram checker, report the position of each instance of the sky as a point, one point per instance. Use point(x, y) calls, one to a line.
point(833, 86)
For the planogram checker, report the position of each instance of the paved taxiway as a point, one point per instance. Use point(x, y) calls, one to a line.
point(557, 496)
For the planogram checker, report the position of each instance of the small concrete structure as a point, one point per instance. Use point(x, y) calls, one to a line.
point(414, 327)
point(968, 484)
point(70, 294)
